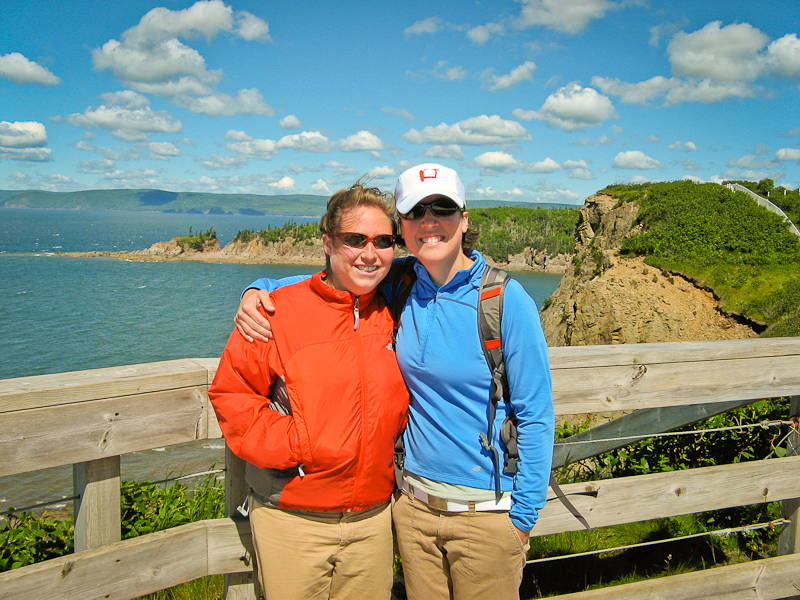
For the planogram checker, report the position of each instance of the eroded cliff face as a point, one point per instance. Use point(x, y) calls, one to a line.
point(605, 298)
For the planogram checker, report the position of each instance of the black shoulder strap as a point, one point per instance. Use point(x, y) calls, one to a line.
point(404, 280)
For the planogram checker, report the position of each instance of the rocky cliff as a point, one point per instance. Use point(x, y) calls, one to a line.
point(605, 298)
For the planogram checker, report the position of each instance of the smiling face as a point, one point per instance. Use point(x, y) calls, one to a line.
point(359, 270)
point(436, 242)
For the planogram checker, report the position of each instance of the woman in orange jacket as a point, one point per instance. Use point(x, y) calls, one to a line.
point(316, 412)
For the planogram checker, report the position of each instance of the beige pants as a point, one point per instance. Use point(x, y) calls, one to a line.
point(459, 556)
point(336, 556)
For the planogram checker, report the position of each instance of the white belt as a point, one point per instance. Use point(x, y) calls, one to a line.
point(456, 505)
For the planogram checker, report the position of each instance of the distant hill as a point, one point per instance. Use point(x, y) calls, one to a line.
point(295, 205)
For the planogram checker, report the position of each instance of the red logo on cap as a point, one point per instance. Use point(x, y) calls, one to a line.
point(428, 174)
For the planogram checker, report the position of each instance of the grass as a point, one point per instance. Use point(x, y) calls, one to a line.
point(617, 567)
point(207, 588)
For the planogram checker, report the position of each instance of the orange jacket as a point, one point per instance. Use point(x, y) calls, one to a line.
point(343, 405)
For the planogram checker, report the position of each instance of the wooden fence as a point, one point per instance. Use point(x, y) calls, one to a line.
point(89, 418)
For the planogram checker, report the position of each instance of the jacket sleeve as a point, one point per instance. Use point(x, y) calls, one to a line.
point(528, 371)
point(265, 283)
point(240, 396)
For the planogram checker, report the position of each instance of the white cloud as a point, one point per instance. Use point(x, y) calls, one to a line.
point(22, 134)
point(237, 136)
point(451, 74)
point(151, 59)
point(498, 162)
point(712, 65)
point(483, 33)
point(572, 108)
point(635, 93)
point(310, 141)
point(503, 162)
point(283, 184)
point(290, 122)
point(217, 162)
point(787, 154)
point(320, 186)
point(429, 25)
point(523, 72)
point(783, 57)
point(163, 150)
point(452, 151)
point(400, 112)
point(603, 140)
point(475, 131)
point(381, 172)
point(729, 53)
point(683, 146)
point(250, 27)
point(253, 148)
point(26, 154)
point(635, 159)
point(128, 116)
point(569, 17)
point(96, 166)
point(363, 140)
point(15, 67)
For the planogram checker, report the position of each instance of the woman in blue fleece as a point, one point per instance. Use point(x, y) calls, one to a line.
point(456, 539)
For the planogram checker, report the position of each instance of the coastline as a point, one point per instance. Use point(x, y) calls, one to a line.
point(518, 263)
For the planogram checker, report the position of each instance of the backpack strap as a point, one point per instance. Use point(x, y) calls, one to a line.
point(490, 319)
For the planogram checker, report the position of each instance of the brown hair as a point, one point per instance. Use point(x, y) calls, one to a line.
point(353, 197)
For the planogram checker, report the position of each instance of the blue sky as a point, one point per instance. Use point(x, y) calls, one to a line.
point(530, 100)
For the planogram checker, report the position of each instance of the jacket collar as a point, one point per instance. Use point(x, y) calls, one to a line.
point(469, 278)
point(341, 298)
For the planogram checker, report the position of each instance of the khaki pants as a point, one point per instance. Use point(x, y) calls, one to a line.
point(336, 555)
point(459, 556)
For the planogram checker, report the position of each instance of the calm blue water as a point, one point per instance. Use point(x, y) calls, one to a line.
point(62, 314)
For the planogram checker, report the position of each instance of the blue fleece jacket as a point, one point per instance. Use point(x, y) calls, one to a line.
point(439, 353)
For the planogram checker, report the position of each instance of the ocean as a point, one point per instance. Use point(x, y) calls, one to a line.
point(63, 314)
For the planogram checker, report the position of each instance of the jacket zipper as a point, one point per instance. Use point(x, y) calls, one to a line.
point(362, 374)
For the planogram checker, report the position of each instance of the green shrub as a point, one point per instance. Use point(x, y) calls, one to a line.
point(145, 508)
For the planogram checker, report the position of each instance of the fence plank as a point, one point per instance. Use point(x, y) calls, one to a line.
point(768, 579)
point(97, 510)
point(570, 357)
point(630, 499)
point(79, 386)
point(238, 586)
point(120, 571)
point(631, 387)
point(59, 435)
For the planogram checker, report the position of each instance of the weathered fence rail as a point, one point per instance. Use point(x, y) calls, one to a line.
point(90, 418)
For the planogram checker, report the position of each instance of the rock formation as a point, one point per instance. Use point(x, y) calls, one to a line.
point(605, 298)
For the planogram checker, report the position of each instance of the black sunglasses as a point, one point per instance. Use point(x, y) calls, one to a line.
point(443, 207)
point(359, 240)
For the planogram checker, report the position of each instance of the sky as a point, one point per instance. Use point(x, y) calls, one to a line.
point(529, 100)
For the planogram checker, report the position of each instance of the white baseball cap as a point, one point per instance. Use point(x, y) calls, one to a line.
point(425, 180)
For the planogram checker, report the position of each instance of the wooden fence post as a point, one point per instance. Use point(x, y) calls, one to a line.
point(789, 542)
point(97, 508)
point(238, 586)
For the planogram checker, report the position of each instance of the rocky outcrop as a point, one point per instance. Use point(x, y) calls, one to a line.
point(530, 260)
point(308, 252)
point(605, 298)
